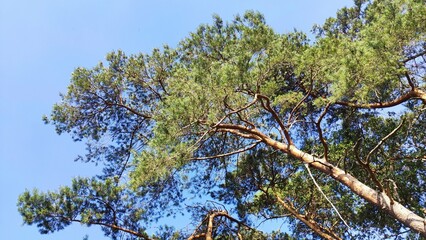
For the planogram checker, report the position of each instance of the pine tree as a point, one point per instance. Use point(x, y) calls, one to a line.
point(328, 135)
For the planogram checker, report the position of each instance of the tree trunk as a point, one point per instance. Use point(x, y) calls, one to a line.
point(379, 199)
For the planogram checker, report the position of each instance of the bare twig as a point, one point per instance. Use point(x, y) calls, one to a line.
point(319, 188)
point(380, 143)
point(366, 163)
point(414, 56)
point(298, 105)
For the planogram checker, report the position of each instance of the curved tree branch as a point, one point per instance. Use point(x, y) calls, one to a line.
point(112, 226)
point(379, 199)
point(318, 229)
point(415, 93)
point(210, 224)
point(267, 106)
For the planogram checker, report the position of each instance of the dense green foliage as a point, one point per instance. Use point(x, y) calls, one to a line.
point(223, 125)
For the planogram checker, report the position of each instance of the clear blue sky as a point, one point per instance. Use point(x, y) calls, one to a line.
point(42, 41)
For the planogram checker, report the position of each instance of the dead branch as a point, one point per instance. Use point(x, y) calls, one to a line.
point(380, 143)
point(325, 196)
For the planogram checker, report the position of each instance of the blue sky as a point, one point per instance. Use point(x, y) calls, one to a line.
point(43, 41)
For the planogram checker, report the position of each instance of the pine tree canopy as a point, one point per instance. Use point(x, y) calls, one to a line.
point(238, 125)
